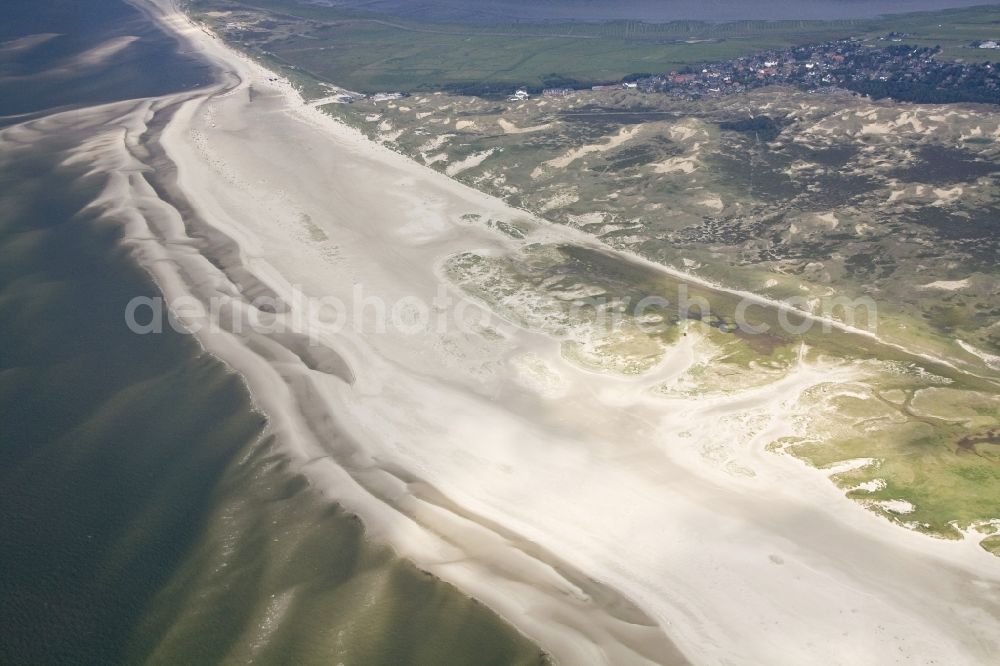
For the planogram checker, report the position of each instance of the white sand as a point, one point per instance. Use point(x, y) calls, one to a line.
point(828, 219)
point(991, 360)
point(560, 200)
point(946, 285)
point(510, 128)
point(469, 162)
point(897, 506)
point(713, 202)
point(610, 142)
point(600, 520)
point(849, 465)
point(681, 133)
point(435, 143)
point(947, 196)
point(871, 486)
point(675, 164)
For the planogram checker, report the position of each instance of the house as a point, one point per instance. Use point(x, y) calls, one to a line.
point(519, 95)
point(990, 44)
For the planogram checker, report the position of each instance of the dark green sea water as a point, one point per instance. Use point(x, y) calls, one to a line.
point(145, 514)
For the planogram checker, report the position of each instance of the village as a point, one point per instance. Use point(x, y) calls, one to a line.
point(896, 70)
point(889, 66)
point(892, 69)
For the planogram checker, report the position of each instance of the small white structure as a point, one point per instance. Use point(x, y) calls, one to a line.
point(519, 96)
point(989, 45)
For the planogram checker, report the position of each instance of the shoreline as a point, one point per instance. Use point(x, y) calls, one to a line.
point(352, 436)
point(151, 247)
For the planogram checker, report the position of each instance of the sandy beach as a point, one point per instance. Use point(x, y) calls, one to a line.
point(606, 524)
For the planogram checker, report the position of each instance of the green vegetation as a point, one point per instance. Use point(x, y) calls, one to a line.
point(926, 472)
point(953, 30)
point(922, 457)
point(368, 52)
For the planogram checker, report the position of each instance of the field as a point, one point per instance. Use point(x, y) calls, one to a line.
point(370, 53)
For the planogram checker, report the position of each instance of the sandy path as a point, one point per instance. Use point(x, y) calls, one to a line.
point(591, 520)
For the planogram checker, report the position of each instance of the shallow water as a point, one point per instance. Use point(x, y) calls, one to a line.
point(112, 443)
point(146, 516)
point(63, 70)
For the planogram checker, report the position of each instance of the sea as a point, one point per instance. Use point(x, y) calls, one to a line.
point(147, 515)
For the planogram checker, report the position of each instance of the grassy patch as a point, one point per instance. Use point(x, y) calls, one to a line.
point(920, 457)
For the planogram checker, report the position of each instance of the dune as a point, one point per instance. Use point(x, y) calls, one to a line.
point(510, 128)
point(469, 162)
point(609, 143)
point(675, 164)
point(946, 285)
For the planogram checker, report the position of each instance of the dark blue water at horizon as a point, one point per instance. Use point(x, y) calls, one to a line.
point(656, 11)
point(50, 75)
